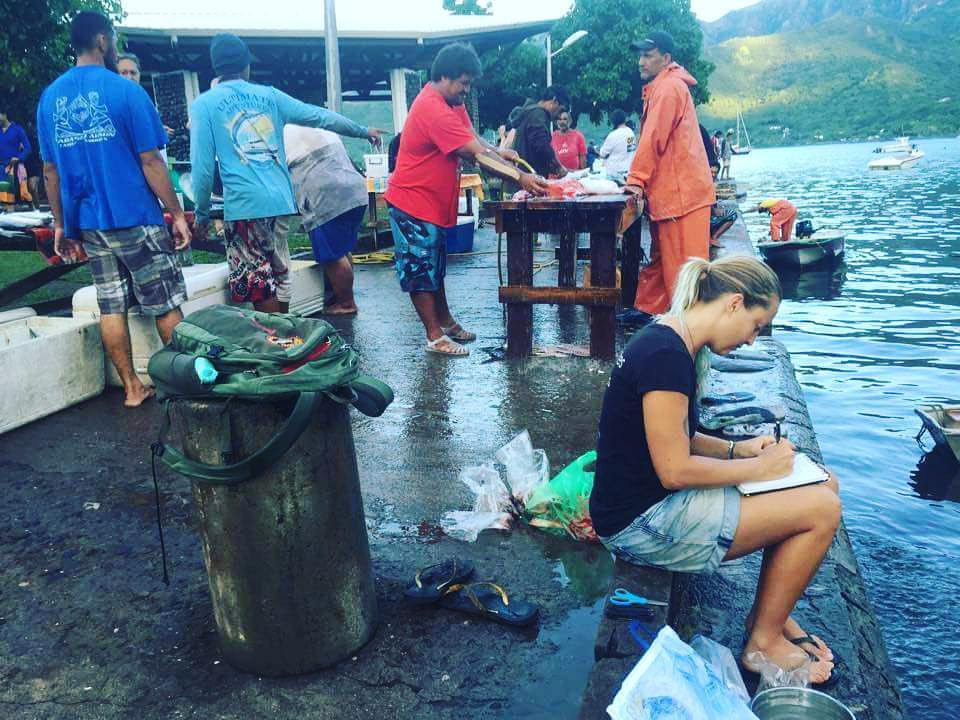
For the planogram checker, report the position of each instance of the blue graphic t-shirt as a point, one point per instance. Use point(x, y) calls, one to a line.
point(93, 124)
point(240, 124)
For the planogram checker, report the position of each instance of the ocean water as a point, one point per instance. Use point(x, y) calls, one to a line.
point(872, 338)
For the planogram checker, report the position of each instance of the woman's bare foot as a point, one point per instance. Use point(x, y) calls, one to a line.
point(793, 630)
point(136, 396)
point(784, 654)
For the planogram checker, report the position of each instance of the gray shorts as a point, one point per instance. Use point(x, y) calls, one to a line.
point(688, 531)
point(133, 266)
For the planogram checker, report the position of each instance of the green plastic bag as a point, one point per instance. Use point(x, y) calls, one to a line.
point(563, 504)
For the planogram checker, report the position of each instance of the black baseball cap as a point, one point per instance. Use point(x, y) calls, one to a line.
point(660, 40)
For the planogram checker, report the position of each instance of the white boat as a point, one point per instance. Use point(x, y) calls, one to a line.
point(900, 145)
point(897, 162)
point(742, 145)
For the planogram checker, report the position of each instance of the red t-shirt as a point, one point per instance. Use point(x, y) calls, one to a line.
point(425, 182)
point(569, 148)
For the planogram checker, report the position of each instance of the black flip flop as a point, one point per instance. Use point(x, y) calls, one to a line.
point(745, 415)
point(490, 601)
point(434, 581)
point(808, 640)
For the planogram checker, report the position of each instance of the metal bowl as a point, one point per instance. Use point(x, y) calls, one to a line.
point(785, 703)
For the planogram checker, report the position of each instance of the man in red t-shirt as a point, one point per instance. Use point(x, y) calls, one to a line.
point(424, 190)
point(570, 145)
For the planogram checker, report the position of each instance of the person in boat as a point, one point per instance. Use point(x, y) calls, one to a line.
point(783, 214)
point(665, 495)
point(670, 154)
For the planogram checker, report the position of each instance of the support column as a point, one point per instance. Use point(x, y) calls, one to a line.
point(398, 97)
point(332, 49)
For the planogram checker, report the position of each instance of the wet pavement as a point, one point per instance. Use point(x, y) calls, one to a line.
point(88, 630)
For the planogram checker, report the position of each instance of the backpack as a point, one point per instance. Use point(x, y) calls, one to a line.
point(258, 356)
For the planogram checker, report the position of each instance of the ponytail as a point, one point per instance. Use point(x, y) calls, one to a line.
point(702, 281)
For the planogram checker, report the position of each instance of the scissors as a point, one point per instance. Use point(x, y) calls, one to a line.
point(623, 597)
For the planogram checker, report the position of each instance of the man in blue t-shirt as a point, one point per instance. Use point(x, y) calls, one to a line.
point(100, 138)
point(240, 124)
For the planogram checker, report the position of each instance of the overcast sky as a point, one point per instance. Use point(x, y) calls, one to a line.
point(705, 9)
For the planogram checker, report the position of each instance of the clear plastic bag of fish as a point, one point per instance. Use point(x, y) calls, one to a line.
point(723, 663)
point(672, 682)
point(526, 469)
point(773, 676)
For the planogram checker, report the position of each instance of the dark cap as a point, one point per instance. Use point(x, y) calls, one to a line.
point(660, 40)
point(228, 54)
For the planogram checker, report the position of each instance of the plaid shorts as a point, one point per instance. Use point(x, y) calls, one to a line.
point(133, 266)
point(259, 258)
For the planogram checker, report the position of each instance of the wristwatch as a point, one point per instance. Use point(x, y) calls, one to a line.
point(730, 449)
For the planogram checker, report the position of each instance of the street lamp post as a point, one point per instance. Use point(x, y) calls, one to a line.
point(579, 34)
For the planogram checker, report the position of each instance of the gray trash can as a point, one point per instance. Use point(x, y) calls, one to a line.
point(286, 552)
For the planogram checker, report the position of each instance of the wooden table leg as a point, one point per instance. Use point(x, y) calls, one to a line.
point(630, 264)
point(373, 219)
point(519, 315)
point(567, 271)
point(603, 273)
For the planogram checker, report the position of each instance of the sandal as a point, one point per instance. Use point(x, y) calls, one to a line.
point(454, 349)
point(461, 335)
point(747, 415)
point(491, 601)
point(727, 398)
point(811, 640)
point(434, 581)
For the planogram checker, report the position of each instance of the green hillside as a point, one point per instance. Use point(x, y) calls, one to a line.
point(844, 77)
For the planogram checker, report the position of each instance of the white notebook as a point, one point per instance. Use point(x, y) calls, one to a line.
point(805, 472)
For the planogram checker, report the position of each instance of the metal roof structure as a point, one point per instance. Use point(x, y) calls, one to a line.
point(286, 40)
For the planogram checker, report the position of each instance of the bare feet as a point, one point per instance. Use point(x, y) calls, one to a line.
point(782, 653)
point(137, 395)
point(338, 309)
point(792, 630)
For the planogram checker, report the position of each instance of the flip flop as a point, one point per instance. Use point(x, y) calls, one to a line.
point(433, 581)
point(456, 349)
point(725, 364)
point(490, 601)
point(732, 397)
point(461, 335)
point(810, 640)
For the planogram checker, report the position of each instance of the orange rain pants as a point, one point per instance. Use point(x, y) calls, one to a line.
point(782, 216)
point(674, 241)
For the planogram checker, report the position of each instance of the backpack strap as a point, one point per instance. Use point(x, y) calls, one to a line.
point(249, 467)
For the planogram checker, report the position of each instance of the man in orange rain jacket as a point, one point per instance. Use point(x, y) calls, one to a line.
point(782, 216)
point(670, 171)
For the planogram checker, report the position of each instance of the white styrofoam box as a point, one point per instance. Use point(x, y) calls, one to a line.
point(17, 314)
point(377, 166)
point(48, 364)
point(206, 285)
point(462, 211)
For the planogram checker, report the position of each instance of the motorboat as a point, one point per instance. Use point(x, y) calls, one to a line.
point(900, 145)
point(943, 424)
point(898, 162)
point(822, 245)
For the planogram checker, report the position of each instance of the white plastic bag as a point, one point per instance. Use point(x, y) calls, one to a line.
point(526, 468)
point(721, 659)
point(672, 682)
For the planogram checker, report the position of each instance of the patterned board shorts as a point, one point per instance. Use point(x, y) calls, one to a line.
point(259, 258)
point(133, 266)
point(420, 252)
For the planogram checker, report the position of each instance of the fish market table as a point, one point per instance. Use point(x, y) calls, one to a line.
point(604, 217)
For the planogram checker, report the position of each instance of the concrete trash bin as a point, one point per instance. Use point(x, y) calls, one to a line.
point(286, 552)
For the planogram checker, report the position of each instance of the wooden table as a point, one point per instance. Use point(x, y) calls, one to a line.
point(604, 217)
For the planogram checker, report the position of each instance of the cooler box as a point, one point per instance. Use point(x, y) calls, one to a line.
point(206, 285)
point(49, 363)
point(460, 237)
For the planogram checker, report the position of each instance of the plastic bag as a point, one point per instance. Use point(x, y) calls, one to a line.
point(672, 682)
point(723, 663)
point(563, 504)
point(467, 524)
point(526, 468)
point(772, 675)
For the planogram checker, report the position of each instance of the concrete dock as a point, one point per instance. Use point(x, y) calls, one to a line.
point(88, 630)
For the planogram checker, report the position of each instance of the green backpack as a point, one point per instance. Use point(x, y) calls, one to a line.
point(259, 356)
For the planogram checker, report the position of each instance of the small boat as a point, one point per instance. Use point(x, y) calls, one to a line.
point(943, 424)
point(741, 147)
point(897, 162)
point(823, 245)
point(900, 145)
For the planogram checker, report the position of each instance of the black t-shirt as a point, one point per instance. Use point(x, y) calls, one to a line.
point(533, 139)
point(626, 484)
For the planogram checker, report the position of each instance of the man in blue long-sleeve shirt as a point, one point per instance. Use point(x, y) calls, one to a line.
point(14, 149)
point(240, 124)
